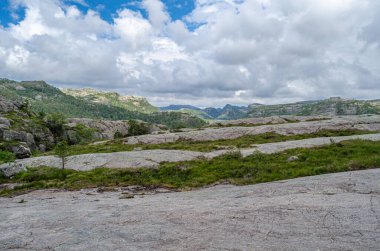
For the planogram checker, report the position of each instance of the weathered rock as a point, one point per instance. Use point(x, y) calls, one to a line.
point(153, 158)
point(42, 147)
point(371, 123)
point(292, 158)
point(106, 129)
point(71, 137)
point(9, 105)
point(268, 120)
point(10, 135)
point(11, 169)
point(21, 150)
point(5, 122)
point(327, 212)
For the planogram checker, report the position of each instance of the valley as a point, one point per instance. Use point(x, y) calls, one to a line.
point(101, 151)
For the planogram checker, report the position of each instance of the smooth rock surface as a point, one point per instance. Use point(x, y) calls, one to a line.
point(268, 120)
point(10, 169)
point(328, 212)
point(153, 158)
point(371, 123)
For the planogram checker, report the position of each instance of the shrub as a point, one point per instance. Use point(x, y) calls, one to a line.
point(118, 135)
point(136, 128)
point(55, 122)
point(61, 149)
point(6, 156)
point(84, 134)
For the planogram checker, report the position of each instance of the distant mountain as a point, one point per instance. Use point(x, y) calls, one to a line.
point(330, 107)
point(179, 107)
point(131, 103)
point(48, 99)
point(225, 113)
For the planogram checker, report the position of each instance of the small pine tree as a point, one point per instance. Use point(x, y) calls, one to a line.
point(61, 149)
point(55, 122)
point(136, 128)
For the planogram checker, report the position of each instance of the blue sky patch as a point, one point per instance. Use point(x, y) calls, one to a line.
point(177, 9)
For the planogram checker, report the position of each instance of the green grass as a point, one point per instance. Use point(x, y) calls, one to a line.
point(204, 146)
point(345, 156)
point(6, 156)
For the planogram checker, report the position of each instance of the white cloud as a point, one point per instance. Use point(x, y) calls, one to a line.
point(240, 51)
point(18, 57)
point(157, 13)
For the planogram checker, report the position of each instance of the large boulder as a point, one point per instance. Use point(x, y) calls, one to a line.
point(9, 105)
point(11, 169)
point(21, 150)
point(21, 136)
point(104, 129)
point(5, 122)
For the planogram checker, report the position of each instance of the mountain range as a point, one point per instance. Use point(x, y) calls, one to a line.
point(91, 103)
point(330, 107)
point(44, 98)
point(131, 103)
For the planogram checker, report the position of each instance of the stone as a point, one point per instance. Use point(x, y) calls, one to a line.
point(106, 129)
point(42, 148)
point(4, 121)
point(9, 105)
point(71, 137)
point(292, 158)
point(21, 150)
point(11, 135)
point(297, 214)
point(11, 169)
point(371, 123)
point(20, 88)
point(29, 140)
point(153, 158)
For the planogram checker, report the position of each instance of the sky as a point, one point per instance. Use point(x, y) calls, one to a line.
point(198, 52)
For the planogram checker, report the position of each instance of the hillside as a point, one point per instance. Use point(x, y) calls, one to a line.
point(131, 103)
point(48, 99)
point(179, 107)
point(330, 107)
point(227, 112)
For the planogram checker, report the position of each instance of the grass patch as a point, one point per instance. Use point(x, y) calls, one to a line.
point(204, 146)
point(6, 156)
point(233, 168)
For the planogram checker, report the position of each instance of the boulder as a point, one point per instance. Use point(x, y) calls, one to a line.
point(11, 169)
point(292, 158)
point(9, 105)
point(5, 122)
point(21, 150)
point(42, 148)
point(10, 135)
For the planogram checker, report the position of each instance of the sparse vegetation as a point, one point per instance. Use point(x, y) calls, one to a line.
point(136, 128)
point(204, 146)
point(55, 122)
point(232, 168)
point(61, 151)
point(46, 99)
point(83, 134)
point(6, 156)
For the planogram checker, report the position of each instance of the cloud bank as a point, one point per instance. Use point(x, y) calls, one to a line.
point(224, 51)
